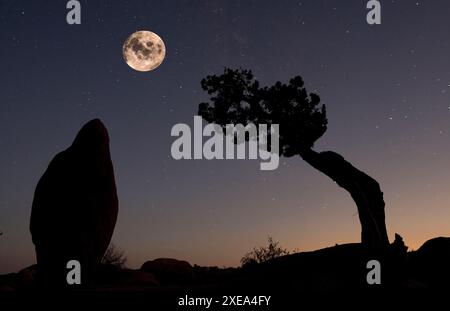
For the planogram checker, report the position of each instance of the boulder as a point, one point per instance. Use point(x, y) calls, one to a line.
point(137, 278)
point(27, 276)
point(430, 264)
point(75, 206)
point(169, 271)
point(22, 280)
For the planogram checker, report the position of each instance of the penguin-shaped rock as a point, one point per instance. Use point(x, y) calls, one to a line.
point(75, 207)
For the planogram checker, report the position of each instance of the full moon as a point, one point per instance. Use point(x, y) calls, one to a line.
point(144, 50)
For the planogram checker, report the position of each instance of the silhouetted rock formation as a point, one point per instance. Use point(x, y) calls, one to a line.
point(138, 278)
point(430, 264)
point(22, 280)
point(108, 275)
point(398, 247)
point(75, 206)
point(364, 190)
point(321, 275)
point(169, 270)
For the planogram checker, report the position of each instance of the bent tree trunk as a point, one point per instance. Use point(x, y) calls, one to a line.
point(364, 190)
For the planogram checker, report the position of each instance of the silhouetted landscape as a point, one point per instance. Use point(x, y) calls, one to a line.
point(79, 187)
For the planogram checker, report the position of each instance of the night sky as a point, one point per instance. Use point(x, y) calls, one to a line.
point(386, 88)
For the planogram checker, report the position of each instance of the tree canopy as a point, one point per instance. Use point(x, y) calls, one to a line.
point(236, 97)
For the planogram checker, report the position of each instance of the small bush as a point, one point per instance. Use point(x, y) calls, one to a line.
point(264, 253)
point(114, 256)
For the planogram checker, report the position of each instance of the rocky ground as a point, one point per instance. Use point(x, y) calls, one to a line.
point(338, 269)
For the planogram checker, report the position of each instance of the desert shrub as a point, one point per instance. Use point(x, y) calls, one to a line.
point(264, 253)
point(114, 256)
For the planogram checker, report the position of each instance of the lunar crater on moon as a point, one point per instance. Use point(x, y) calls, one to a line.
point(144, 51)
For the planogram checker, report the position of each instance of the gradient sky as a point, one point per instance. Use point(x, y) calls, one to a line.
point(386, 88)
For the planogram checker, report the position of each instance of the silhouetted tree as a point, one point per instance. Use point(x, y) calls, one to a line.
point(236, 97)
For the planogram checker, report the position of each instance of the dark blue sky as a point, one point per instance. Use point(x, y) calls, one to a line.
point(386, 88)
